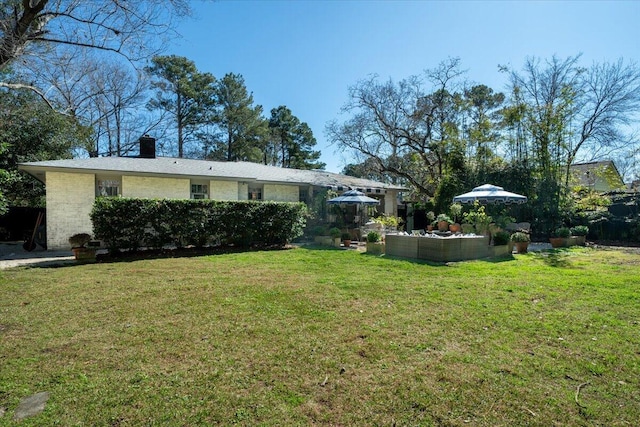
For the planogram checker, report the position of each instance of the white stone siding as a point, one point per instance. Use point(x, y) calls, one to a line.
point(70, 199)
point(223, 190)
point(281, 193)
point(147, 187)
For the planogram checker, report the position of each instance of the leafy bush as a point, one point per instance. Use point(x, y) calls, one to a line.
point(455, 210)
point(318, 230)
point(373, 237)
point(388, 220)
point(501, 238)
point(335, 232)
point(478, 217)
point(444, 217)
point(563, 232)
point(519, 236)
point(346, 236)
point(79, 240)
point(133, 223)
point(580, 230)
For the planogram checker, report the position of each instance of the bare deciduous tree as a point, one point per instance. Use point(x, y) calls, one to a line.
point(400, 128)
point(128, 28)
point(31, 31)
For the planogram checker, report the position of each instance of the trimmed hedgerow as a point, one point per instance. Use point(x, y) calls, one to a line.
point(129, 224)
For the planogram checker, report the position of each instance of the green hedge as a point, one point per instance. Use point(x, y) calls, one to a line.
point(133, 223)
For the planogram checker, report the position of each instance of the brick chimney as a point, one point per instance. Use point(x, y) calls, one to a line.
point(147, 147)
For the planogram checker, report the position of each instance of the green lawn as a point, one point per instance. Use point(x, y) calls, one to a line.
point(326, 337)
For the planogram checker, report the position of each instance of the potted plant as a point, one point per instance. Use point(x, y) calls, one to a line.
point(321, 236)
point(335, 234)
point(501, 238)
point(501, 245)
point(78, 244)
point(346, 239)
point(579, 233)
point(431, 218)
point(374, 243)
point(521, 241)
point(560, 237)
point(455, 210)
point(443, 221)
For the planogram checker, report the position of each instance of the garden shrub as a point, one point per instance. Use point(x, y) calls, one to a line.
point(133, 223)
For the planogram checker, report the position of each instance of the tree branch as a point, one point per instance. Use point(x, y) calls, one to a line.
point(32, 89)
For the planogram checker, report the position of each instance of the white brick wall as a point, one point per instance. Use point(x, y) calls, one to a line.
point(223, 190)
point(146, 187)
point(281, 193)
point(70, 199)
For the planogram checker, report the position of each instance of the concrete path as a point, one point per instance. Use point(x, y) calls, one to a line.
point(12, 254)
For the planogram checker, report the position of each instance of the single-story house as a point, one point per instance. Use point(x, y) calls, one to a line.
point(600, 176)
point(72, 185)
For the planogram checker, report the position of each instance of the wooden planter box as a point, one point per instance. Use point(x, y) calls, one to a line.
point(577, 240)
point(375, 248)
point(500, 250)
point(323, 240)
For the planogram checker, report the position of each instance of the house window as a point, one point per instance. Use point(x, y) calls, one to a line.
point(255, 193)
point(108, 187)
point(199, 191)
point(303, 195)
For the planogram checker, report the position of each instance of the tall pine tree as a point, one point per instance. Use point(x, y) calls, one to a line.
point(184, 93)
point(243, 129)
point(292, 142)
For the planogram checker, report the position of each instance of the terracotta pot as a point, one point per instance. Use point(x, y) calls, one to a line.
point(347, 243)
point(84, 254)
point(454, 228)
point(559, 242)
point(429, 227)
point(521, 247)
point(443, 226)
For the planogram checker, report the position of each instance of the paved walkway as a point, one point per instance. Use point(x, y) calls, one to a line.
point(12, 254)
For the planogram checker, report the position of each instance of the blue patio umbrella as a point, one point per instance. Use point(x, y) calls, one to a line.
point(353, 197)
point(488, 193)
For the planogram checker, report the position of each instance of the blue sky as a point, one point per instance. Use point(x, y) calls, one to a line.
point(306, 54)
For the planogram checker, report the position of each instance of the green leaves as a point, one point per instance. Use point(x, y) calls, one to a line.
point(134, 223)
point(184, 93)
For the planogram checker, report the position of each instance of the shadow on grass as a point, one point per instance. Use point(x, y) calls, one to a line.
point(152, 254)
point(495, 260)
point(555, 257)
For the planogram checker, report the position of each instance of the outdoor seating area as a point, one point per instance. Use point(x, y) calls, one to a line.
point(446, 246)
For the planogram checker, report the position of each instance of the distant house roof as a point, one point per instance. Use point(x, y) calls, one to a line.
point(601, 176)
point(202, 169)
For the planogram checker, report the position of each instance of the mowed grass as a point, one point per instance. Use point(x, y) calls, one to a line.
point(326, 337)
